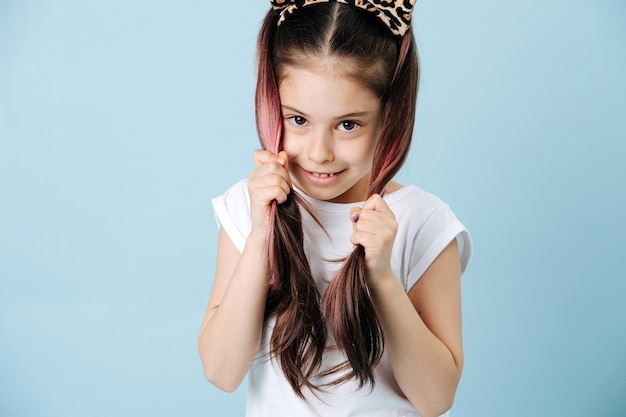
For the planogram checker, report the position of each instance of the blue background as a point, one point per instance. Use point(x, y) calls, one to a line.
point(119, 121)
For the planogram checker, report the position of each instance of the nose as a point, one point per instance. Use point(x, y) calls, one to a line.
point(320, 148)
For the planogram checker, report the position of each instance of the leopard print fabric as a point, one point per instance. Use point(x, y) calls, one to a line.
point(395, 14)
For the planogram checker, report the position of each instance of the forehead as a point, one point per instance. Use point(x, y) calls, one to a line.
point(372, 74)
point(326, 88)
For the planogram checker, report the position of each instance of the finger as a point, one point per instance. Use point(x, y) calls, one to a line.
point(371, 221)
point(378, 204)
point(368, 225)
point(267, 163)
point(363, 239)
point(375, 202)
point(270, 180)
point(262, 179)
point(375, 223)
point(363, 217)
point(259, 156)
point(262, 156)
point(262, 194)
point(269, 194)
point(355, 213)
point(354, 239)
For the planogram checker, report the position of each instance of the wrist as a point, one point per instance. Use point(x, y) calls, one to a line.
point(257, 239)
point(382, 280)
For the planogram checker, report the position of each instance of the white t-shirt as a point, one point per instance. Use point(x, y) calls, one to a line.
point(426, 226)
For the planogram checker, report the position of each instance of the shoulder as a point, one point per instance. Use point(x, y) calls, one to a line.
point(426, 225)
point(412, 203)
point(236, 194)
point(232, 212)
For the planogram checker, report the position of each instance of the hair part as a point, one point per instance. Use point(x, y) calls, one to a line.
point(364, 49)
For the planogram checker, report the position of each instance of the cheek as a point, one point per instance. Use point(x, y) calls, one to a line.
point(291, 145)
point(363, 154)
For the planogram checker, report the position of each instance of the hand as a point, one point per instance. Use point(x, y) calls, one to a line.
point(268, 182)
point(374, 228)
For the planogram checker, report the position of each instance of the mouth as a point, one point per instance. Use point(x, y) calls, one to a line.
point(322, 178)
point(322, 175)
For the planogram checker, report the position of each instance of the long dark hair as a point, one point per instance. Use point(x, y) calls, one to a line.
point(388, 66)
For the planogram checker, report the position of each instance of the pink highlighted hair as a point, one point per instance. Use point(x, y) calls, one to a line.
point(388, 66)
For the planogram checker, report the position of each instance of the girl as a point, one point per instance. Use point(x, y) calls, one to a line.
point(337, 290)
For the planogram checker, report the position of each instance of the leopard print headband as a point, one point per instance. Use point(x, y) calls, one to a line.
point(396, 14)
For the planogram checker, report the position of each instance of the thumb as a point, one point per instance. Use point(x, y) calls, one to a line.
point(283, 158)
point(355, 212)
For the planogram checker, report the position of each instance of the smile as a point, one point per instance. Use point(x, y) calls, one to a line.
point(322, 175)
point(322, 178)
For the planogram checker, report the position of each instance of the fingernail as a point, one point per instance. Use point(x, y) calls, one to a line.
point(281, 160)
point(355, 217)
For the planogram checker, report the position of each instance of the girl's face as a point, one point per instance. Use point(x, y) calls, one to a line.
point(330, 128)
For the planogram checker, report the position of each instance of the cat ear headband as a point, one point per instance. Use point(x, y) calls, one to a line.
point(396, 15)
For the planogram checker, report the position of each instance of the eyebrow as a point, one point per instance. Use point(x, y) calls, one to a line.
point(343, 116)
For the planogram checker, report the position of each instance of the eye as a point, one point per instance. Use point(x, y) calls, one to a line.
point(348, 125)
point(298, 120)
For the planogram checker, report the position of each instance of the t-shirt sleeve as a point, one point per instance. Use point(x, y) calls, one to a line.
point(435, 234)
point(232, 213)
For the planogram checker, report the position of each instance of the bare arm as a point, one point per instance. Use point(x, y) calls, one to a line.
point(231, 332)
point(422, 330)
point(423, 333)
